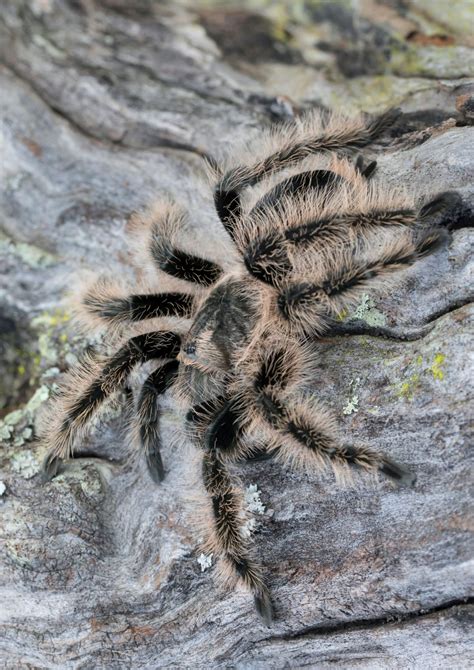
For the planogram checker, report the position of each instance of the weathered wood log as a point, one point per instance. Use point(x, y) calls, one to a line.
point(106, 105)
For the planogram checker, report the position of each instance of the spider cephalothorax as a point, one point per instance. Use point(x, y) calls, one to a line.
point(306, 233)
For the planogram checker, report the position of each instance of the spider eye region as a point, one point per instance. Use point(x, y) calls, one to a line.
point(190, 349)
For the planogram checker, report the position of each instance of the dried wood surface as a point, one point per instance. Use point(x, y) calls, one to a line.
point(106, 105)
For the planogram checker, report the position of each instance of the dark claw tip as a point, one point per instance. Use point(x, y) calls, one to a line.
point(365, 170)
point(264, 607)
point(369, 169)
point(155, 467)
point(52, 466)
point(441, 207)
point(397, 473)
point(385, 120)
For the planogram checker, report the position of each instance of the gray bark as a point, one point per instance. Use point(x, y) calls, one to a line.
point(108, 105)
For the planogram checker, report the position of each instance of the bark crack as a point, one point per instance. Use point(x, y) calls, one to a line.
point(360, 327)
point(395, 618)
point(165, 143)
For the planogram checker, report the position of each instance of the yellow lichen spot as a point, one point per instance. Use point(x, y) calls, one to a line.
point(342, 315)
point(408, 388)
point(21, 370)
point(419, 359)
point(62, 316)
point(436, 370)
point(63, 337)
point(405, 389)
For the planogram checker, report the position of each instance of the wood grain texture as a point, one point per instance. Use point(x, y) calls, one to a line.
point(106, 105)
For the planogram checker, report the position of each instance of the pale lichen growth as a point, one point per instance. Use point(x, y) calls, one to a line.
point(253, 503)
point(249, 527)
point(3, 488)
point(352, 405)
point(39, 7)
point(23, 437)
point(29, 254)
point(205, 561)
point(25, 464)
point(6, 431)
point(366, 311)
point(18, 425)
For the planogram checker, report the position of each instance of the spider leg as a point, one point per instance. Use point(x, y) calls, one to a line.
point(306, 430)
point(101, 303)
point(302, 182)
point(261, 454)
point(92, 384)
point(372, 217)
point(217, 425)
point(293, 143)
point(148, 413)
point(226, 430)
point(228, 540)
point(310, 438)
point(270, 255)
point(321, 181)
point(308, 306)
point(159, 230)
point(183, 265)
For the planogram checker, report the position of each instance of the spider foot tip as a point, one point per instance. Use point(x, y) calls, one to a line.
point(399, 474)
point(155, 468)
point(264, 607)
point(51, 467)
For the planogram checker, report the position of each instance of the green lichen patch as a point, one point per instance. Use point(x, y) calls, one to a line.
point(54, 346)
point(417, 372)
point(436, 367)
point(352, 405)
point(409, 387)
point(366, 311)
point(30, 350)
point(455, 16)
point(373, 93)
point(17, 427)
point(52, 341)
point(449, 62)
point(33, 256)
point(25, 464)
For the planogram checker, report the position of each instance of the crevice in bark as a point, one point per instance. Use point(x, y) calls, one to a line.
point(454, 307)
point(165, 143)
point(449, 607)
point(359, 327)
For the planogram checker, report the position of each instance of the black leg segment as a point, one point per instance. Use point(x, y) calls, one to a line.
point(149, 414)
point(183, 265)
point(139, 306)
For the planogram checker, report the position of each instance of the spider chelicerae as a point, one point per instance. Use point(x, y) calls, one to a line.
point(308, 232)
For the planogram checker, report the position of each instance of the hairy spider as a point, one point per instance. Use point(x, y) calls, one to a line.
point(306, 234)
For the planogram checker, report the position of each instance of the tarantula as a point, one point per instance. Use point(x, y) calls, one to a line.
point(307, 233)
